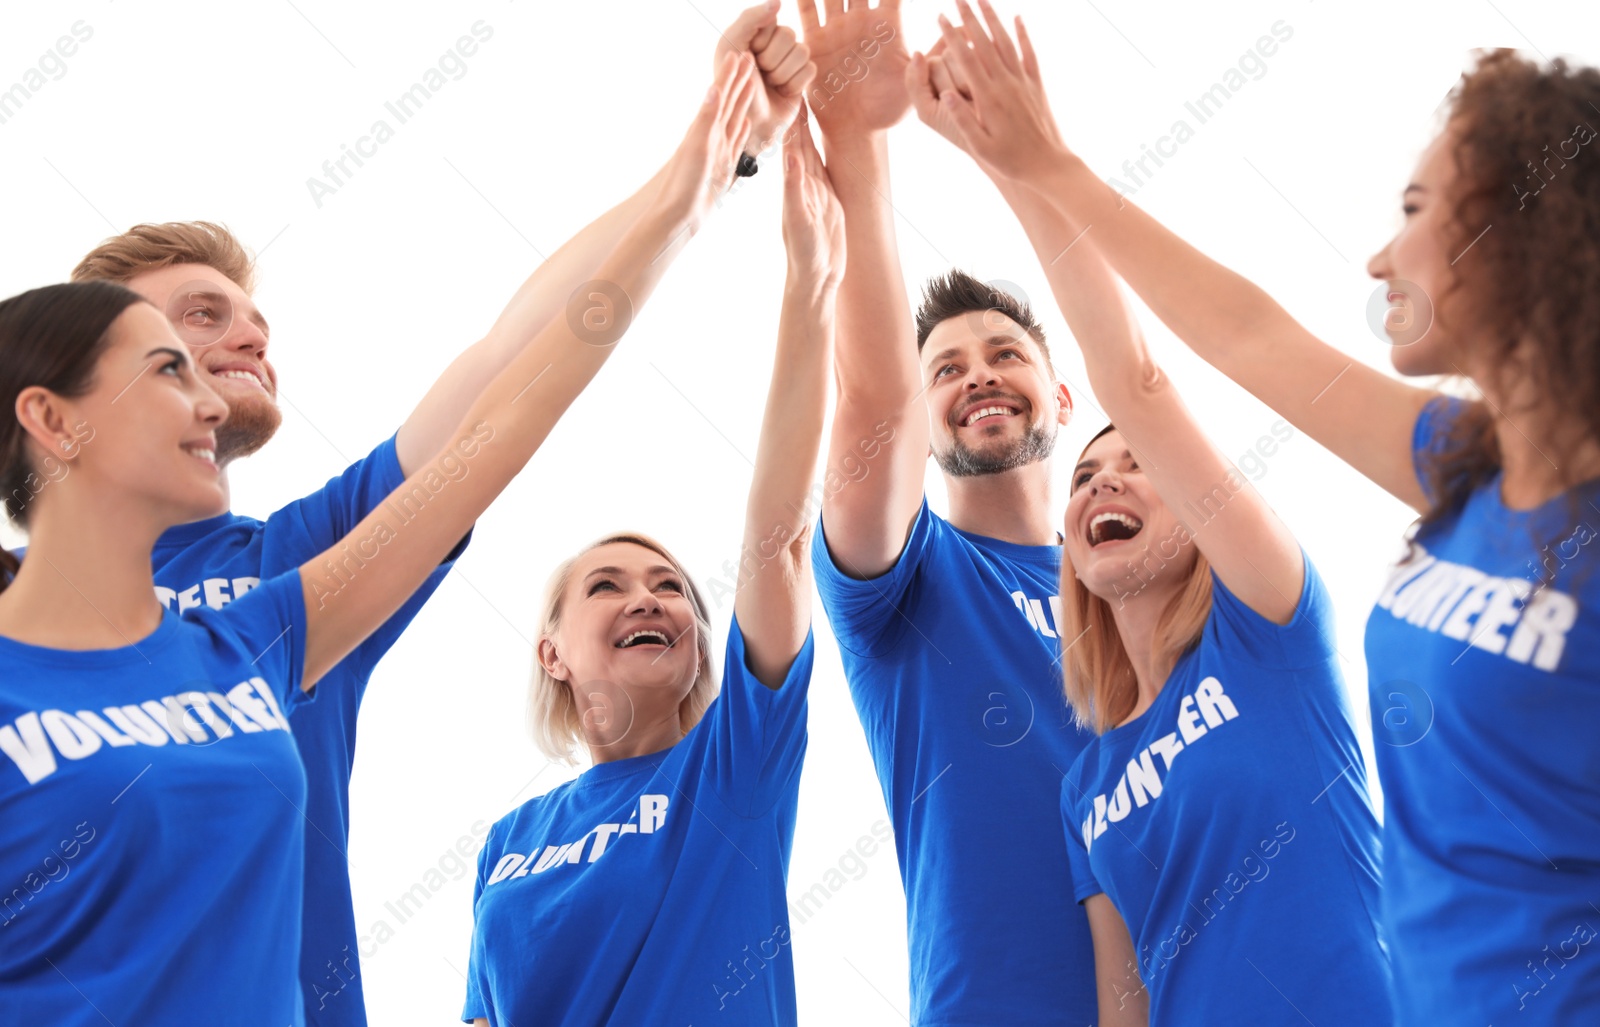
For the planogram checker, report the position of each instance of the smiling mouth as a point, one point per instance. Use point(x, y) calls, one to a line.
point(646, 637)
point(242, 376)
point(1113, 527)
point(993, 410)
point(201, 453)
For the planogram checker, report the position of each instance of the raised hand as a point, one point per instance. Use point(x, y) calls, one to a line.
point(813, 223)
point(784, 63)
point(702, 167)
point(999, 114)
point(928, 77)
point(861, 59)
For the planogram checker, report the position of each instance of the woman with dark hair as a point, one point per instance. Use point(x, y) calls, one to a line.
point(155, 870)
point(651, 889)
point(1484, 648)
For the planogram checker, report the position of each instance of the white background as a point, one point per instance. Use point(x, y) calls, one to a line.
point(203, 110)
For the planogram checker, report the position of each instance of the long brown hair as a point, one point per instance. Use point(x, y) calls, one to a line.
point(1526, 164)
point(1100, 684)
point(51, 337)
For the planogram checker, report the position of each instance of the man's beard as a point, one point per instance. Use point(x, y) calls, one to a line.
point(962, 461)
point(249, 426)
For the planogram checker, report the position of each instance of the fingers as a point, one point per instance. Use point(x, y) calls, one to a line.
point(791, 75)
point(1030, 60)
point(751, 21)
point(961, 112)
point(920, 84)
point(939, 76)
point(834, 8)
point(808, 16)
point(1001, 39)
point(983, 51)
point(958, 53)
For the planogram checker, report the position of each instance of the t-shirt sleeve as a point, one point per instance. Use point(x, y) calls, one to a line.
point(758, 734)
point(310, 526)
point(1084, 883)
point(265, 629)
point(867, 615)
point(475, 1005)
point(1306, 641)
point(1429, 437)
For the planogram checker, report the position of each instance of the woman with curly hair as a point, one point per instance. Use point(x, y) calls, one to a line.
point(1484, 648)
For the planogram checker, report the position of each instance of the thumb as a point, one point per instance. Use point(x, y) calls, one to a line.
point(751, 21)
point(919, 83)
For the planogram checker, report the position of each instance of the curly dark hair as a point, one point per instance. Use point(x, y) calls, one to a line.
point(1523, 165)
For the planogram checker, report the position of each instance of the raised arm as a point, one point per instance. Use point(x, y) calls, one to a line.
point(354, 587)
point(1359, 413)
point(1249, 548)
point(774, 603)
point(785, 70)
point(859, 94)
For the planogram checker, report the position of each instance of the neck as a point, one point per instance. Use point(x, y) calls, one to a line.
point(650, 730)
point(1543, 452)
point(1136, 617)
point(85, 582)
point(1012, 506)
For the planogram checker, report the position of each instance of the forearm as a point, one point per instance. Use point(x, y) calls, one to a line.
point(1091, 299)
point(440, 499)
point(1225, 318)
point(876, 356)
point(542, 297)
point(773, 601)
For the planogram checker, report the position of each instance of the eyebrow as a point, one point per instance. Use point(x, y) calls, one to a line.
point(1413, 187)
point(169, 351)
point(1092, 462)
point(657, 569)
point(996, 341)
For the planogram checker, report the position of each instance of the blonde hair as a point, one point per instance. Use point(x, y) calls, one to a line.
point(149, 247)
point(552, 711)
point(1099, 681)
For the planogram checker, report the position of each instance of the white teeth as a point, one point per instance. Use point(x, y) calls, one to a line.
point(1133, 524)
point(649, 635)
point(204, 454)
point(242, 376)
point(985, 412)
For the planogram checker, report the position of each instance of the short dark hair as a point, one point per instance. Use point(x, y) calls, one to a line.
point(956, 293)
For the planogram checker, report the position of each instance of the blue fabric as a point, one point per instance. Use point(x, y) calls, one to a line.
point(1247, 871)
point(209, 563)
point(151, 856)
point(952, 660)
point(1485, 704)
point(650, 890)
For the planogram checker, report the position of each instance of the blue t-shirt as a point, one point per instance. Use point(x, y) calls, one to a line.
point(650, 890)
point(151, 856)
point(212, 562)
point(953, 662)
point(1485, 712)
point(1248, 876)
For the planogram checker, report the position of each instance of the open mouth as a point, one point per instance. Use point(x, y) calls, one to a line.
point(985, 412)
point(1113, 526)
point(648, 636)
point(243, 376)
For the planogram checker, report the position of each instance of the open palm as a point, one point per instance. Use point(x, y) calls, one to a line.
point(861, 57)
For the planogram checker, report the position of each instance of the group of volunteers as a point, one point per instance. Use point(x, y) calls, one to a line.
point(1183, 834)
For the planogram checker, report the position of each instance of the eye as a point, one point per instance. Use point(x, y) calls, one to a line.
point(1081, 478)
point(941, 372)
point(1410, 209)
point(174, 367)
point(1007, 353)
point(674, 586)
point(603, 583)
point(199, 316)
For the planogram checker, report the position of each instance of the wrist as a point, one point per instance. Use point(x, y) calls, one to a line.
point(812, 289)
